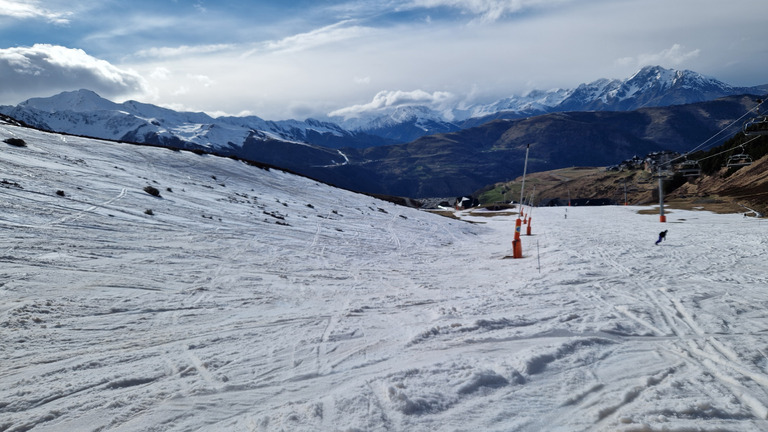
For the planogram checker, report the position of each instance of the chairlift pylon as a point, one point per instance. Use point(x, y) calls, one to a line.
point(663, 173)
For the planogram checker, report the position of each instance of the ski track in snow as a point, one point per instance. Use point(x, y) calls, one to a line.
point(254, 300)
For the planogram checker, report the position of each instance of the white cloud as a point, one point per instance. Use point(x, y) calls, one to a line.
point(124, 29)
point(161, 73)
point(30, 10)
point(200, 7)
point(327, 35)
point(389, 99)
point(49, 69)
point(674, 56)
point(182, 51)
point(203, 80)
point(294, 66)
point(487, 10)
point(182, 90)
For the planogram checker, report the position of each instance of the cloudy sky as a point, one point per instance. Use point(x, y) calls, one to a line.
point(282, 59)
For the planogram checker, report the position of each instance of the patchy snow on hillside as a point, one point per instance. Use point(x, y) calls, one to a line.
point(255, 300)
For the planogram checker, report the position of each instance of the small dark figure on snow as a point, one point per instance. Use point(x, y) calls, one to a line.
point(662, 236)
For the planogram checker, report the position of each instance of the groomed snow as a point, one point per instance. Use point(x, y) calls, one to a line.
point(255, 300)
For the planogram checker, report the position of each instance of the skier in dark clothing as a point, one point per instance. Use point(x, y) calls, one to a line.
point(662, 236)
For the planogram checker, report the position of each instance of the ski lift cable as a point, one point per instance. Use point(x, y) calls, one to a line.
point(755, 109)
point(727, 150)
point(685, 155)
point(724, 129)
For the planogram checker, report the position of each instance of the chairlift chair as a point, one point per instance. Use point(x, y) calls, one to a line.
point(739, 160)
point(690, 168)
point(756, 126)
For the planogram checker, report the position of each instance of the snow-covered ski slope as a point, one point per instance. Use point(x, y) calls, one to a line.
point(255, 300)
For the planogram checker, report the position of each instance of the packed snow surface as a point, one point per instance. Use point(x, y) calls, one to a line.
point(255, 300)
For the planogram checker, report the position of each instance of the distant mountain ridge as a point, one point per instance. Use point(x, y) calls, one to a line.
point(83, 112)
point(602, 122)
point(463, 162)
point(652, 86)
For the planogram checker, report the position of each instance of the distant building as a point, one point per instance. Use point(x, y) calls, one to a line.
point(660, 159)
point(635, 163)
point(648, 163)
point(463, 203)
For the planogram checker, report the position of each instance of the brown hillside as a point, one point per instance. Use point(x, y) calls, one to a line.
point(747, 186)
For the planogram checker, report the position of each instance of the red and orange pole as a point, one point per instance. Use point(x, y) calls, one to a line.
point(517, 244)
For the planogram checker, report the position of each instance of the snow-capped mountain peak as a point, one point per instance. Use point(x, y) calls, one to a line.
point(648, 87)
point(533, 101)
point(77, 101)
point(650, 74)
point(83, 112)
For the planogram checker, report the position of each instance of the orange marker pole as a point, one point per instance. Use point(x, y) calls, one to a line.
point(517, 244)
point(528, 230)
